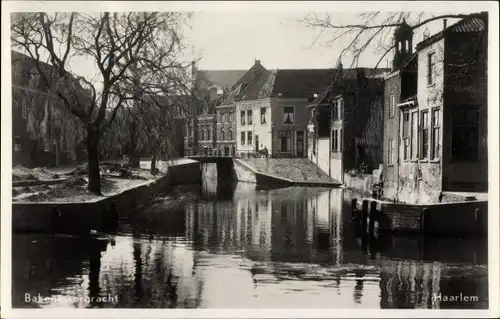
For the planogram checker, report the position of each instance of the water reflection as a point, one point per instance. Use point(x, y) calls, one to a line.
point(227, 245)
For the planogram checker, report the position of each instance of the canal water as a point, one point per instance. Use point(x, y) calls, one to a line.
point(234, 246)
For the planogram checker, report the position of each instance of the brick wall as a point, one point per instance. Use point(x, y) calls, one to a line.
point(391, 131)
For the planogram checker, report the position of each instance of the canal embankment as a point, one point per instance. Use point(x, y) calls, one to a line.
point(282, 171)
point(81, 215)
point(433, 219)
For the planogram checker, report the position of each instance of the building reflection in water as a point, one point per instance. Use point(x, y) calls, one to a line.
point(237, 246)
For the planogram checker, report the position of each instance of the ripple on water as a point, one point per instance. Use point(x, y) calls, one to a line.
point(282, 248)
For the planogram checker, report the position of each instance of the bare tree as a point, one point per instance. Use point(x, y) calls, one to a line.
point(372, 32)
point(135, 54)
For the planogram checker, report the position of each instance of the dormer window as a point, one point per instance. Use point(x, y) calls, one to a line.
point(34, 79)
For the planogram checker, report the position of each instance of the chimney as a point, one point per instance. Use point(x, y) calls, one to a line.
point(426, 33)
point(444, 23)
point(340, 69)
point(257, 62)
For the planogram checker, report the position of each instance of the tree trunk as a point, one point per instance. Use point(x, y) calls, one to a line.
point(153, 164)
point(93, 160)
point(57, 153)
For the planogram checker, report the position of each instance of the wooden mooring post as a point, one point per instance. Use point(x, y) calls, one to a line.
point(364, 215)
point(424, 221)
point(354, 208)
point(373, 215)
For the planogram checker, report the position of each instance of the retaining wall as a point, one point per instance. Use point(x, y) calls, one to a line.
point(245, 173)
point(100, 215)
point(463, 218)
point(362, 184)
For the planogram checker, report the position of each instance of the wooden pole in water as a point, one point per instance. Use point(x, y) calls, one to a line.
point(354, 208)
point(364, 215)
point(373, 216)
point(424, 221)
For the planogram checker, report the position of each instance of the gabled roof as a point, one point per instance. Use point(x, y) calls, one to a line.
point(22, 67)
point(220, 78)
point(349, 84)
point(301, 83)
point(473, 23)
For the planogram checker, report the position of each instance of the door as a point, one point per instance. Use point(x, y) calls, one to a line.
point(256, 143)
point(300, 143)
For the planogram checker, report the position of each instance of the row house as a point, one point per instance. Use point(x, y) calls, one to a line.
point(225, 130)
point(200, 132)
point(271, 110)
point(206, 133)
point(345, 122)
point(435, 114)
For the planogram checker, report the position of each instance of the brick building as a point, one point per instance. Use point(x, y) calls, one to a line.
point(436, 113)
point(44, 132)
point(225, 143)
point(201, 130)
point(345, 122)
point(271, 109)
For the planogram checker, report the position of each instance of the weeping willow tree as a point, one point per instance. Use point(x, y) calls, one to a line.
point(145, 130)
point(133, 54)
point(47, 121)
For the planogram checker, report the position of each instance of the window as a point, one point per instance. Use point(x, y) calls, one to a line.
point(17, 144)
point(465, 134)
point(390, 153)
point(284, 141)
point(288, 115)
point(436, 134)
point(242, 117)
point(200, 134)
point(209, 133)
point(424, 135)
point(249, 115)
point(314, 142)
point(222, 135)
point(230, 135)
point(414, 135)
point(339, 109)
point(249, 137)
point(430, 68)
point(340, 140)
point(334, 140)
point(337, 140)
point(392, 105)
point(263, 112)
point(242, 138)
point(406, 135)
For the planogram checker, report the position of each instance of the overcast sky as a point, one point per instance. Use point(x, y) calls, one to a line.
point(279, 39)
point(234, 40)
point(231, 35)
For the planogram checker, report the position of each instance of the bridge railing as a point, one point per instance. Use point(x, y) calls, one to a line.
point(264, 154)
point(242, 154)
point(206, 153)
